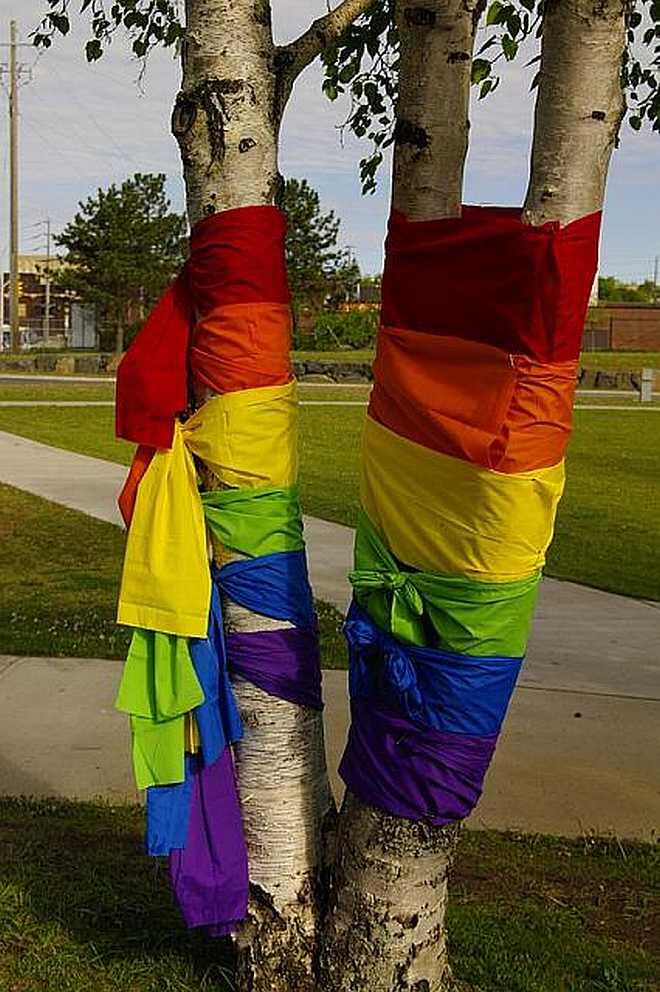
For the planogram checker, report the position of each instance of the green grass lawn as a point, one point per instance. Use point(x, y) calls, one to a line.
point(625, 360)
point(590, 359)
point(59, 578)
point(94, 391)
point(82, 908)
point(54, 391)
point(608, 531)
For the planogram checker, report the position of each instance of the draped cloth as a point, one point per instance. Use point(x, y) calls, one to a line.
point(462, 471)
point(225, 323)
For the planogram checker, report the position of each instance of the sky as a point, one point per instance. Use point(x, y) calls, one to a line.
point(83, 127)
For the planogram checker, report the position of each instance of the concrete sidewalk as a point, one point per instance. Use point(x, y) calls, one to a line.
point(567, 763)
point(581, 741)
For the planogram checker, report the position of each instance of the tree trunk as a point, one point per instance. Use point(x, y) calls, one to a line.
point(578, 110)
point(385, 929)
point(381, 919)
point(431, 130)
point(226, 122)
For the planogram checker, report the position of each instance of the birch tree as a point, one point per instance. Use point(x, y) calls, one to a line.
point(407, 67)
point(226, 119)
point(390, 886)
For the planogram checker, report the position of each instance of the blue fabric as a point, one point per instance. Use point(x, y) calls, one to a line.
point(219, 724)
point(168, 813)
point(218, 719)
point(275, 586)
point(450, 692)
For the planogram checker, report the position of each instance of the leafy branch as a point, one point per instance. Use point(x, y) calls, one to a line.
point(148, 22)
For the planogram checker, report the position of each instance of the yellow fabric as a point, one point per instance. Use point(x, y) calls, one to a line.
point(248, 439)
point(444, 514)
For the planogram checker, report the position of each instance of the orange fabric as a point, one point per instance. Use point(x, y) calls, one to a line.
point(139, 466)
point(237, 346)
point(242, 346)
point(473, 401)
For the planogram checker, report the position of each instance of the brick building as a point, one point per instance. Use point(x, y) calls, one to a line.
point(33, 278)
point(623, 327)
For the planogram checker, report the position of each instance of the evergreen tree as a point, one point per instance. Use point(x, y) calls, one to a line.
point(122, 248)
point(319, 270)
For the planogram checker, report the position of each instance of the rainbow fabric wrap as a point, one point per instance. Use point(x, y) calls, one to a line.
point(226, 322)
point(462, 471)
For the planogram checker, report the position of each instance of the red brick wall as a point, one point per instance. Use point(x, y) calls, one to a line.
point(634, 328)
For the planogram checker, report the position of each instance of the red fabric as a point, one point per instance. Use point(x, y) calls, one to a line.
point(128, 494)
point(488, 277)
point(236, 256)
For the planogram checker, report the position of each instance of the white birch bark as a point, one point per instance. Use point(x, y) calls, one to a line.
point(226, 119)
point(579, 108)
point(385, 930)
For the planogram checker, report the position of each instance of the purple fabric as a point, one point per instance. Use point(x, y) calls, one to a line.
point(285, 663)
point(210, 874)
point(412, 771)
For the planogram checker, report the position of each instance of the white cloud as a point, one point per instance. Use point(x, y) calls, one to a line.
point(86, 126)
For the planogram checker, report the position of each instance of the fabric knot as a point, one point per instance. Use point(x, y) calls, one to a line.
point(406, 607)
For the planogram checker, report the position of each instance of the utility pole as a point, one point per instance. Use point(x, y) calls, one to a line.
point(13, 192)
point(47, 313)
point(655, 280)
point(16, 72)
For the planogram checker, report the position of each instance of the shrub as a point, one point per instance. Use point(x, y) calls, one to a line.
point(351, 329)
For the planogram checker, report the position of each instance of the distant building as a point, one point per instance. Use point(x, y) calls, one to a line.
point(623, 327)
point(38, 328)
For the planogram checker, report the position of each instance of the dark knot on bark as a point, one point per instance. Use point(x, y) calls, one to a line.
point(419, 17)
point(407, 133)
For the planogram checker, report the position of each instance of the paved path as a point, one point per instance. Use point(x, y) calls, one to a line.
point(567, 763)
point(580, 747)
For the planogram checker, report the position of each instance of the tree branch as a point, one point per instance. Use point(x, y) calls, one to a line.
point(322, 33)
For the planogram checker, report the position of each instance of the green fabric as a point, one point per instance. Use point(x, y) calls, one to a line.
point(430, 609)
point(255, 522)
point(158, 687)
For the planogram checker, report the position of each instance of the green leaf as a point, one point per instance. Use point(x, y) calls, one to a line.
point(60, 22)
point(493, 12)
point(636, 123)
point(480, 70)
point(348, 72)
point(486, 87)
point(488, 44)
point(513, 25)
point(509, 47)
point(93, 50)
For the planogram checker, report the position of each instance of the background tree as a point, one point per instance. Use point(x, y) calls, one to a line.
point(319, 269)
point(123, 247)
point(613, 290)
